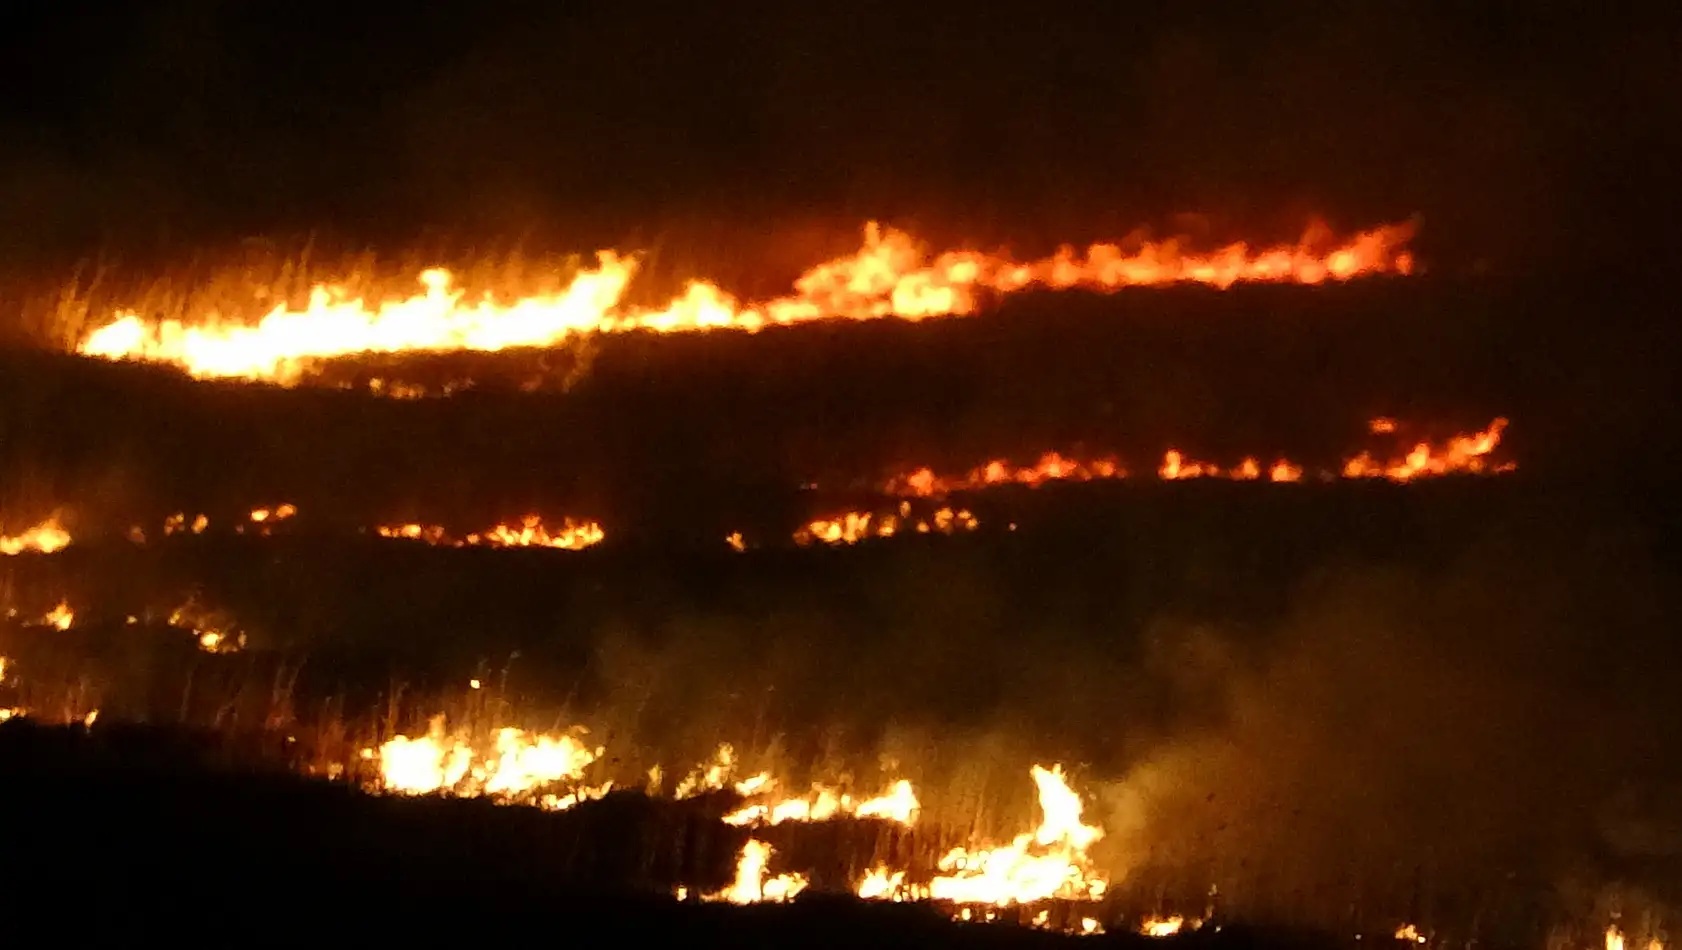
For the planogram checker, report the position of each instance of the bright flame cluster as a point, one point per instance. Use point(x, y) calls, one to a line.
point(854, 526)
point(891, 275)
point(45, 537)
point(569, 535)
point(518, 766)
point(1048, 862)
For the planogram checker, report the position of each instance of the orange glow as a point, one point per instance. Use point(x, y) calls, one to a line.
point(569, 535)
point(45, 537)
point(515, 766)
point(898, 804)
point(1048, 862)
point(1461, 454)
point(891, 275)
point(855, 526)
point(751, 885)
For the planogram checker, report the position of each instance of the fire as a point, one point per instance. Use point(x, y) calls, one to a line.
point(178, 522)
point(751, 886)
point(709, 777)
point(1049, 862)
point(891, 275)
point(45, 537)
point(211, 630)
point(898, 804)
point(569, 535)
point(1461, 454)
point(1408, 933)
point(883, 884)
point(1162, 926)
point(60, 617)
point(278, 513)
point(517, 766)
point(855, 526)
point(924, 483)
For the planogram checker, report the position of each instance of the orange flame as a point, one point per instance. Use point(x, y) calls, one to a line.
point(1463, 453)
point(569, 535)
point(890, 276)
point(45, 537)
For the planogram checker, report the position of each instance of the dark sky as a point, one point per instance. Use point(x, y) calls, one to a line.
point(1517, 129)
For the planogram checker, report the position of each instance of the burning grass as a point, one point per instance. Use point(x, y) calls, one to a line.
point(891, 275)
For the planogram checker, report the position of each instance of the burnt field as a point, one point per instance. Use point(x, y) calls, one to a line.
point(1345, 705)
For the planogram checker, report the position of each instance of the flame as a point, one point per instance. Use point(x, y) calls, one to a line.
point(60, 617)
point(210, 630)
point(1049, 862)
point(891, 275)
point(1614, 938)
point(516, 766)
point(1408, 932)
point(899, 804)
point(569, 535)
point(923, 482)
point(711, 776)
point(751, 886)
point(45, 537)
point(1463, 453)
point(1162, 926)
point(855, 526)
point(883, 884)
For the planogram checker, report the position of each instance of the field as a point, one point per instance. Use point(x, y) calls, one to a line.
point(1324, 707)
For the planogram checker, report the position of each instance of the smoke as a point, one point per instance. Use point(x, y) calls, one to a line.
point(1447, 740)
point(1426, 740)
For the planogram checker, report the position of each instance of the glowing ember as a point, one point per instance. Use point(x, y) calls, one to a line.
point(518, 766)
point(1408, 932)
point(1049, 862)
point(890, 276)
point(45, 537)
point(569, 535)
point(855, 526)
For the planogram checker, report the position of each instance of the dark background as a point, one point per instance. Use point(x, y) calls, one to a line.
point(1526, 133)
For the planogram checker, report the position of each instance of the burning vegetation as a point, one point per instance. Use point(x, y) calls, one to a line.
point(890, 276)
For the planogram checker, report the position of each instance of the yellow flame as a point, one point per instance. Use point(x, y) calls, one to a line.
point(1162, 926)
point(898, 804)
point(60, 617)
point(1049, 862)
point(532, 532)
point(889, 276)
point(516, 766)
point(45, 537)
point(751, 885)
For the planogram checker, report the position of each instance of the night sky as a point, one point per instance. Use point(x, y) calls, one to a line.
point(1527, 135)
